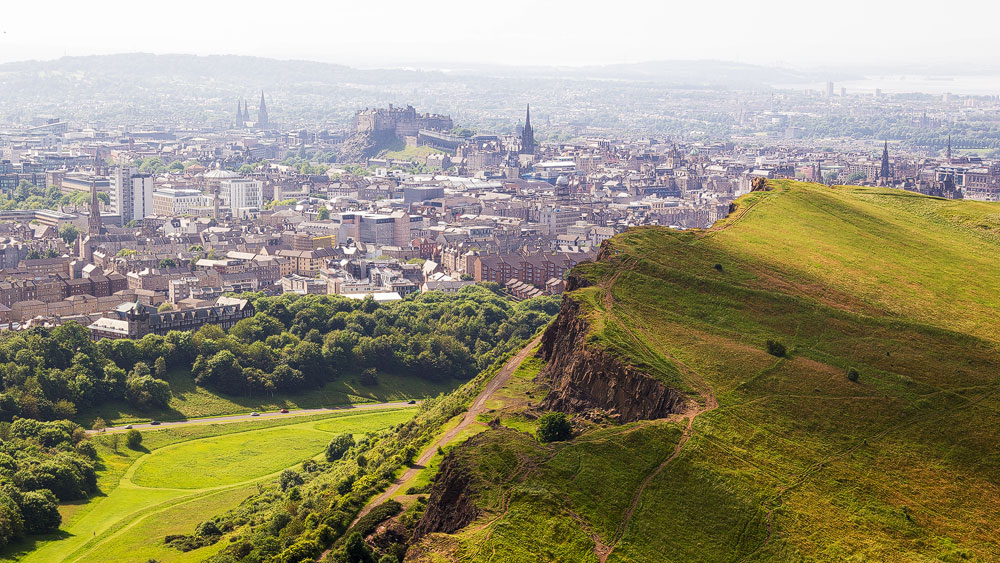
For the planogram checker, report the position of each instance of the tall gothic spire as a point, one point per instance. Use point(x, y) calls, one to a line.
point(94, 221)
point(262, 120)
point(884, 172)
point(527, 134)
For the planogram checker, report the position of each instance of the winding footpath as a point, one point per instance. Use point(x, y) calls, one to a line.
point(478, 407)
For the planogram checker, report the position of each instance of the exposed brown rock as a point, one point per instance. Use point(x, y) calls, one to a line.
point(583, 378)
point(450, 506)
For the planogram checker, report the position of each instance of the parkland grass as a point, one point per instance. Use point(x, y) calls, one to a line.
point(185, 476)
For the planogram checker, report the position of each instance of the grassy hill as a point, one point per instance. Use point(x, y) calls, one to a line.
point(773, 458)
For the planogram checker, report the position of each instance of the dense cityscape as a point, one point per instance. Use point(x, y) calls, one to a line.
point(173, 218)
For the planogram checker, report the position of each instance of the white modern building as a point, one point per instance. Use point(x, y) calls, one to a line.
point(243, 196)
point(174, 202)
point(131, 193)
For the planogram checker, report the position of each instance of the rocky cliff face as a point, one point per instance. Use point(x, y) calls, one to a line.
point(582, 378)
point(450, 506)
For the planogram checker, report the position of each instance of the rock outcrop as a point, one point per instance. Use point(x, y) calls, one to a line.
point(451, 505)
point(582, 378)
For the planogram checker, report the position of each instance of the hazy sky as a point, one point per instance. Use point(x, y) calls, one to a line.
point(517, 32)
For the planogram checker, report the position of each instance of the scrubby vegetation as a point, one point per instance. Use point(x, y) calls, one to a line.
point(298, 522)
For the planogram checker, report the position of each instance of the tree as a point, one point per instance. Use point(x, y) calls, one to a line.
point(338, 446)
point(165, 306)
point(167, 263)
point(356, 550)
point(133, 439)
point(290, 478)
point(853, 375)
point(40, 510)
point(11, 520)
point(553, 427)
point(323, 214)
point(68, 233)
point(99, 424)
point(146, 391)
point(369, 377)
point(160, 367)
point(776, 349)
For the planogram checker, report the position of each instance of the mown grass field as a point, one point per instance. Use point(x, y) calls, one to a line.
point(183, 476)
point(796, 463)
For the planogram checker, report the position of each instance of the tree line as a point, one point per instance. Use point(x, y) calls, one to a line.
point(292, 343)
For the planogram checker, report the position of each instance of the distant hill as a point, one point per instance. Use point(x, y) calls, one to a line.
point(141, 88)
point(813, 379)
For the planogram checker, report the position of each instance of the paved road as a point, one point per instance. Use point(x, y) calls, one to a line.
point(261, 416)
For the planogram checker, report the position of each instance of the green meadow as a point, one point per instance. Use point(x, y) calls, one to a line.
point(192, 401)
point(183, 476)
point(797, 461)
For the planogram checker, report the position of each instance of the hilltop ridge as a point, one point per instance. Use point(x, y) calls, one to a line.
point(834, 363)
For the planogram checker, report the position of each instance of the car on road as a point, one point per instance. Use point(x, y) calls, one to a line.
point(154, 423)
point(411, 402)
point(255, 414)
point(128, 427)
point(283, 411)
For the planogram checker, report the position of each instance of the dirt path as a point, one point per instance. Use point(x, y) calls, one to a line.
point(691, 377)
point(478, 407)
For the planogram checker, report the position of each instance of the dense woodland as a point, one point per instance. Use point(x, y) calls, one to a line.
point(41, 464)
point(292, 343)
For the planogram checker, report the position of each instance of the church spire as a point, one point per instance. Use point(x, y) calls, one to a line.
point(948, 153)
point(94, 221)
point(884, 172)
point(527, 134)
point(262, 120)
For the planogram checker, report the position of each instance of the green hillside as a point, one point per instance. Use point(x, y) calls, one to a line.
point(774, 458)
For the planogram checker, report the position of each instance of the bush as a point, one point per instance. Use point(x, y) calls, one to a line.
point(553, 427)
point(367, 523)
point(776, 349)
point(338, 446)
point(289, 479)
point(853, 375)
point(369, 378)
point(133, 439)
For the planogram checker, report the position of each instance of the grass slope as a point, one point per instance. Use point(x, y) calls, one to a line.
point(796, 463)
point(192, 401)
point(182, 477)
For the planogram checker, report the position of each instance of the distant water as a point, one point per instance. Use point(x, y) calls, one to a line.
point(979, 85)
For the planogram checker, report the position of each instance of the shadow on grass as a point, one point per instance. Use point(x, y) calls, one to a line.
point(15, 551)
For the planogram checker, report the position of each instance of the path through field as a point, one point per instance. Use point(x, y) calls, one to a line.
point(478, 407)
point(174, 487)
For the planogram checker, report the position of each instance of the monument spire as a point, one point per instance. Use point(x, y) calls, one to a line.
point(884, 172)
point(527, 134)
point(262, 120)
